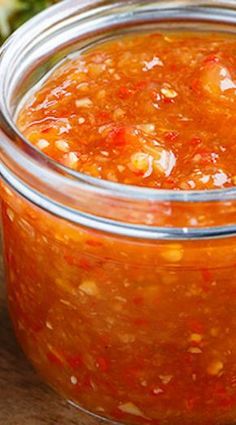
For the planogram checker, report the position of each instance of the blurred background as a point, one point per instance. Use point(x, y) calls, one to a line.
point(14, 13)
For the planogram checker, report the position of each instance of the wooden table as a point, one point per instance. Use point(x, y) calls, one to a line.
point(24, 399)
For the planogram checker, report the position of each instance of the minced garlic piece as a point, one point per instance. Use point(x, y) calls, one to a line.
point(42, 144)
point(147, 128)
point(196, 338)
point(89, 287)
point(194, 350)
point(71, 159)
point(141, 162)
point(62, 145)
point(131, 409)
point(85, 102)
point(169, 93)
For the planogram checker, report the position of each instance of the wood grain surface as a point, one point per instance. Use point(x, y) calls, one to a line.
point(24, 399)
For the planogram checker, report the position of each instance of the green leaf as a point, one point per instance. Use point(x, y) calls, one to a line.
point(14, 13)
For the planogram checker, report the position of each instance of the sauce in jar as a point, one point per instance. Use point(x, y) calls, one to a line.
point(138, 331)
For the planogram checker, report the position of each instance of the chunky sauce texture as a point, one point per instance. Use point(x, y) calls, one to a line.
point(141, 332)
point(150, 110)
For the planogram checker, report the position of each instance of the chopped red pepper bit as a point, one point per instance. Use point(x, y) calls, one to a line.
point(195, 85)
point(207, 275)
point(103, 364)
point(167, 100)
point(74, 362)
point(82, 263)
point(213, 58)
point(103, 116)
point(117, 137)
point(46, 130)
point(94, 242)
point(196, 326)
point(207, 279)
point(124, 92)
point(195, 141)
point(140, 85)
point(54, 358)
point(171, 136)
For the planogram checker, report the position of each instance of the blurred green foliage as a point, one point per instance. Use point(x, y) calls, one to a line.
point(14, 13)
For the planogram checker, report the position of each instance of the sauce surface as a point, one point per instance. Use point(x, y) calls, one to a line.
point(154, 110)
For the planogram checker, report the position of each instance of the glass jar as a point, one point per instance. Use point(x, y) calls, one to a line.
point(123, 298)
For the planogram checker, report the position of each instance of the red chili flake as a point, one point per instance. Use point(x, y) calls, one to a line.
point(195, 141)
point(102, 364)
point(171, 136)
point(103, 116)
point(54, 359)
point(207, 275)
point(70, 259)
point(82, 263)
point(46, 130)
point(211, 59)
point(85, 264)
point(156, 35)
point(167, 101)
point(117, 136)
point(155, 95)
point(173, 67)
point(195, 326)
point(207, 279)
point(195, 86)
point(170, 181)
point(124, 92)
point(94, 242)
point(74, 361)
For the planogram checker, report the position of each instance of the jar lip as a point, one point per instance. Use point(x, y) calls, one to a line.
point(60, 174)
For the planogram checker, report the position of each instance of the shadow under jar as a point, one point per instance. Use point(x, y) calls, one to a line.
point(123, 298)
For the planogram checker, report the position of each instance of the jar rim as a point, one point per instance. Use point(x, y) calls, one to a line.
point(117, 191)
